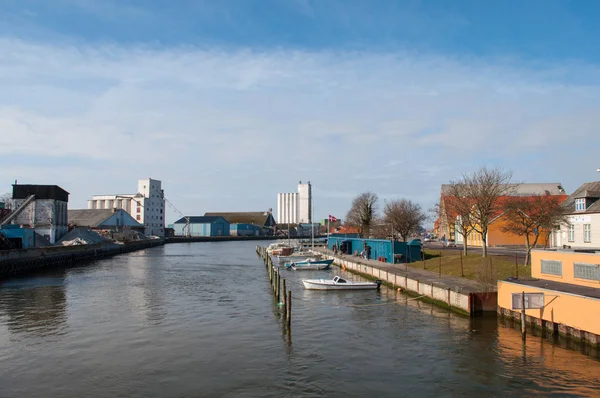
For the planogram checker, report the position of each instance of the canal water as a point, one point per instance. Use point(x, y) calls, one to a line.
point(199, 320)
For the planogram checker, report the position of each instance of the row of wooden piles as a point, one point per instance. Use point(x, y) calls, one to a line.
point(282, 295)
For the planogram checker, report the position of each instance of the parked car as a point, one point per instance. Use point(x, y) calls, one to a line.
point(451, 243)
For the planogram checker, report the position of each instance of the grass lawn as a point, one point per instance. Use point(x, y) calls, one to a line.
point(486, 270)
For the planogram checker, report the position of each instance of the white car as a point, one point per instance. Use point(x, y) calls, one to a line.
point(451, 243)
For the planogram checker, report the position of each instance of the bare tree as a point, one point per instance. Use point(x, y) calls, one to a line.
point(363, 212)
point(533, 216)
point(7, 200)
point(405, 217)
point(483, 188)
point(458, 207)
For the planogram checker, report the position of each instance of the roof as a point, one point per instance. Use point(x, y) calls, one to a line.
point(559, 286)
point(529, 189)
point(588, 189)
point(250, 217)
point(505, 200)
point(345, 229)
point(88, 217)
point(55, 192)
point(200, 220)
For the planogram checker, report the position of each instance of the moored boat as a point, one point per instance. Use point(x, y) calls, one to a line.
point(309, 264)
point(338, 283)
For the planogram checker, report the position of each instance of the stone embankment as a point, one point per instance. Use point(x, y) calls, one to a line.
point(458, 294)
point(15, 262)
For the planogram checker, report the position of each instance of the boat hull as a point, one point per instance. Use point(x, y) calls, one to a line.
point(308, 267)
point(321, 284)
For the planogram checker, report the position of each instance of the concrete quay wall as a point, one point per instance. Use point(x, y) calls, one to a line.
point(17, 262)
point(464, 301)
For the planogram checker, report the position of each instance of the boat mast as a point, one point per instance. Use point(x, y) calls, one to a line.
point(312, 226)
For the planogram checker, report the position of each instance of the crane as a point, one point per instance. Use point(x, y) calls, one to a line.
point(186, 229)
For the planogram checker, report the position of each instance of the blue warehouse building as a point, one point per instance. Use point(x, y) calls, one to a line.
point(380, 248)
point(202, 226)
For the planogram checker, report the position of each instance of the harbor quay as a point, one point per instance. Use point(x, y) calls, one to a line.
point(461, 295)
point(22, 261)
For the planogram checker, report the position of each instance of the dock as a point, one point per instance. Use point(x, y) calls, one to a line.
point(461, 295)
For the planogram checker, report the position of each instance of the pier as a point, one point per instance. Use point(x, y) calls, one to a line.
point(461, 295)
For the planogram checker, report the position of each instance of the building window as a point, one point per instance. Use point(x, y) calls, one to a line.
point(587, 233)
point(139, 210)
point(586, 271)
point(571, 233)
point(580, 204)
point(552, 267)
point(138, 217)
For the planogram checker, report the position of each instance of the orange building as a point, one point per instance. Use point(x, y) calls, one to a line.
point(496, 235)
point(565, 286)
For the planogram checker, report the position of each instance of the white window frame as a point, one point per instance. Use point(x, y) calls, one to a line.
point(580, 204)
point(587, 233)
point(571, 233)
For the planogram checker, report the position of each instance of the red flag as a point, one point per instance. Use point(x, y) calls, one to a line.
point(332, 218)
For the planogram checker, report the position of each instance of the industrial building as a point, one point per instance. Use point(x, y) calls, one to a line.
point(106, 219)
point(42, 208)
point(295, 207)
point(201, 226)
point(147, 206)
point(244, 230)
point(264, 220)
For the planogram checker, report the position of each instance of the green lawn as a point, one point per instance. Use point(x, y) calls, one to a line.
point(486, 270)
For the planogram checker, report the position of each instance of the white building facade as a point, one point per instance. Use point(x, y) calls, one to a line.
point(583, 228)
point(147, 206)
point(295, 207)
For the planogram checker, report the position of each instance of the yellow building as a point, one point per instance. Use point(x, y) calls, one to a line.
point(566, 287)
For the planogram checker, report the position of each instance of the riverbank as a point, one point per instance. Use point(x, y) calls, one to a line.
point(17, 262)
point(464, 296)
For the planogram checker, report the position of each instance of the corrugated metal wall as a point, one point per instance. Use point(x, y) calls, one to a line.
point(380, 248)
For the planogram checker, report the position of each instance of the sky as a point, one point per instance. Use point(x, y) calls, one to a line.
point(229, 102)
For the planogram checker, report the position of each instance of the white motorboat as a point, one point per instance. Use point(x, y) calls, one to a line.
point(338, 283)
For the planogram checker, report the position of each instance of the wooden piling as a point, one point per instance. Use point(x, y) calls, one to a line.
point(462, 272)
point(277, 288)
point(517, 266)
point(284, 290)
point(523, 329)
point(440, 263)
point(288, 307)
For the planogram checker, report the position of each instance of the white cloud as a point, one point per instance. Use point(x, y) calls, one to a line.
point(220, 127)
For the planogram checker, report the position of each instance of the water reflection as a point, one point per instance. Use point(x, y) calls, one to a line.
point(145, 288)
point(549, 367)
point(35, 306)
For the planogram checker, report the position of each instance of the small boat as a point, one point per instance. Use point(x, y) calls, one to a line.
point(309, 264)
point(296, 256)
point(338, 283)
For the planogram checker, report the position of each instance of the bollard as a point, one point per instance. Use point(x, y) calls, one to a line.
point(440, 263)
point(517, 266)
point(523, 330)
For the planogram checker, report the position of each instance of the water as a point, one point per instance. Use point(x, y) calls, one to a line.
point(199, 320)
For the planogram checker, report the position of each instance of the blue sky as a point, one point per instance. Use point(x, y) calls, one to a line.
point(229, 102)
